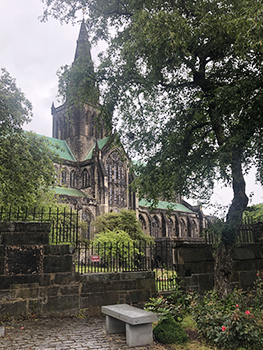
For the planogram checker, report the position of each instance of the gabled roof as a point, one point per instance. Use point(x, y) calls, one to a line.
point(165, 205)
point(101, 144)
point(68, 192)
point(61, 148)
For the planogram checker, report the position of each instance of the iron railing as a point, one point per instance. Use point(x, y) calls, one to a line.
point(245, 234)
point(111, 257)
point(64, 221)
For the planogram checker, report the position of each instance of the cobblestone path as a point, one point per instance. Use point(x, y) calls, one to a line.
point(64, 334)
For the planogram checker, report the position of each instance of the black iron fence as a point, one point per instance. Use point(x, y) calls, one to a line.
point(245, 234)
point(64, 221)
point(110, 257)
point(107, 257)
point(158, 257)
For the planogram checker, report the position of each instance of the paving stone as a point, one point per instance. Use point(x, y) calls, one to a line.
point(64, 334)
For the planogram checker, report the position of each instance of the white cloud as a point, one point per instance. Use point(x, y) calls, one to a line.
point(32, 52)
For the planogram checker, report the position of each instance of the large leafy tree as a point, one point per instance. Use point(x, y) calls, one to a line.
point(125, 220)
point(186, 77)
point(254, 213)
point(26, 161)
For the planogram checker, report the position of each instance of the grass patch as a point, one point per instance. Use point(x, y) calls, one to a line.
point(192, 345)
point(188, 322)
point(194, 342)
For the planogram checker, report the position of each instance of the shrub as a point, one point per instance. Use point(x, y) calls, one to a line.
point(125, 220)
point(177, 304)
point(180, 296)
point(116, 244)
point(168, 331)
point(164, 308)
point(231, 323)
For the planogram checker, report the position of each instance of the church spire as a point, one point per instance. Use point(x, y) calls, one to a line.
point(83, 45)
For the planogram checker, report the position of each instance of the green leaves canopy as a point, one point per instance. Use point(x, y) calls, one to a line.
point(26, 162)
point(125, 220)
point(116, 244)
point(186, 78)
point(254, 213)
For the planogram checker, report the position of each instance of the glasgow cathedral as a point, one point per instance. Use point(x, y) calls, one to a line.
point(94, 176)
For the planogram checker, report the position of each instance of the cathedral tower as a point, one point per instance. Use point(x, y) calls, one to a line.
point(77, 120)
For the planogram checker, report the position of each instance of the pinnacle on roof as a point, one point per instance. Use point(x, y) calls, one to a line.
point(83, 45)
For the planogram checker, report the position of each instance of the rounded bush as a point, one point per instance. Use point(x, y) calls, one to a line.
point(168, 331)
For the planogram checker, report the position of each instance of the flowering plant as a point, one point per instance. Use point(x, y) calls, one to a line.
point(231, 323)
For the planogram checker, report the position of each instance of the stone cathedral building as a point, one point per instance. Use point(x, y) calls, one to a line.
point(94, 176)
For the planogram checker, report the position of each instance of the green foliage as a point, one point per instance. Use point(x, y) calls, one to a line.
point(125, 220)
point(231, 323)
point(83, 225)
point(181, 297)
point(117, 245)
point(186, 79)
point(15, 109)
point(163, 307)
point(26, 170)
point(254, 212)
point(177, 304)
point(77, 82)
point(63, 219)
point(168, 331)
point(26, 162)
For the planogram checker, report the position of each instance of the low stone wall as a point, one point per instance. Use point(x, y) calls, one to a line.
point(195, 265)
point(39, 279)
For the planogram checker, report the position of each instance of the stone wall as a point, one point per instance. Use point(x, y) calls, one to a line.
point(195, 265)
point(39, 279)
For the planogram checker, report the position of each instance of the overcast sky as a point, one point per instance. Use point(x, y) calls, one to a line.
point(33, 51)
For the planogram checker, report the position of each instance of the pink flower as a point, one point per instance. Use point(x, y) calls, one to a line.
point(256, 274)
point(237, 305)
point(247, 312)
point(223, 328)
point(22, 327)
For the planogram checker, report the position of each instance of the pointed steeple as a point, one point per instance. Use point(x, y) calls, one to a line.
point(77, 121)
point(83, 45)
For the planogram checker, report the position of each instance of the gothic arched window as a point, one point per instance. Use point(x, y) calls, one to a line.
point(194, 232)
point(92, 125)
point(143, 223)
point(116, 180)
point(85, 178)
point(73, 179)
point(170, 227)
point(63, 176)
point(155, 226)
point(183, 228)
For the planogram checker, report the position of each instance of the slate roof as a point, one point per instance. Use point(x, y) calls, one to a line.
point(68, 191)
point(101, 144)
point(165, 205)
point(63, 150)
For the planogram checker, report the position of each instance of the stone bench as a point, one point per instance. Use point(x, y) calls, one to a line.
point(136, 323)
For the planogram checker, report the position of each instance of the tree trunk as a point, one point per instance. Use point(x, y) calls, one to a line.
point(223, 267)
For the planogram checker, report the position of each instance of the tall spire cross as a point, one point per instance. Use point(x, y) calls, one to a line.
point(84, 12)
